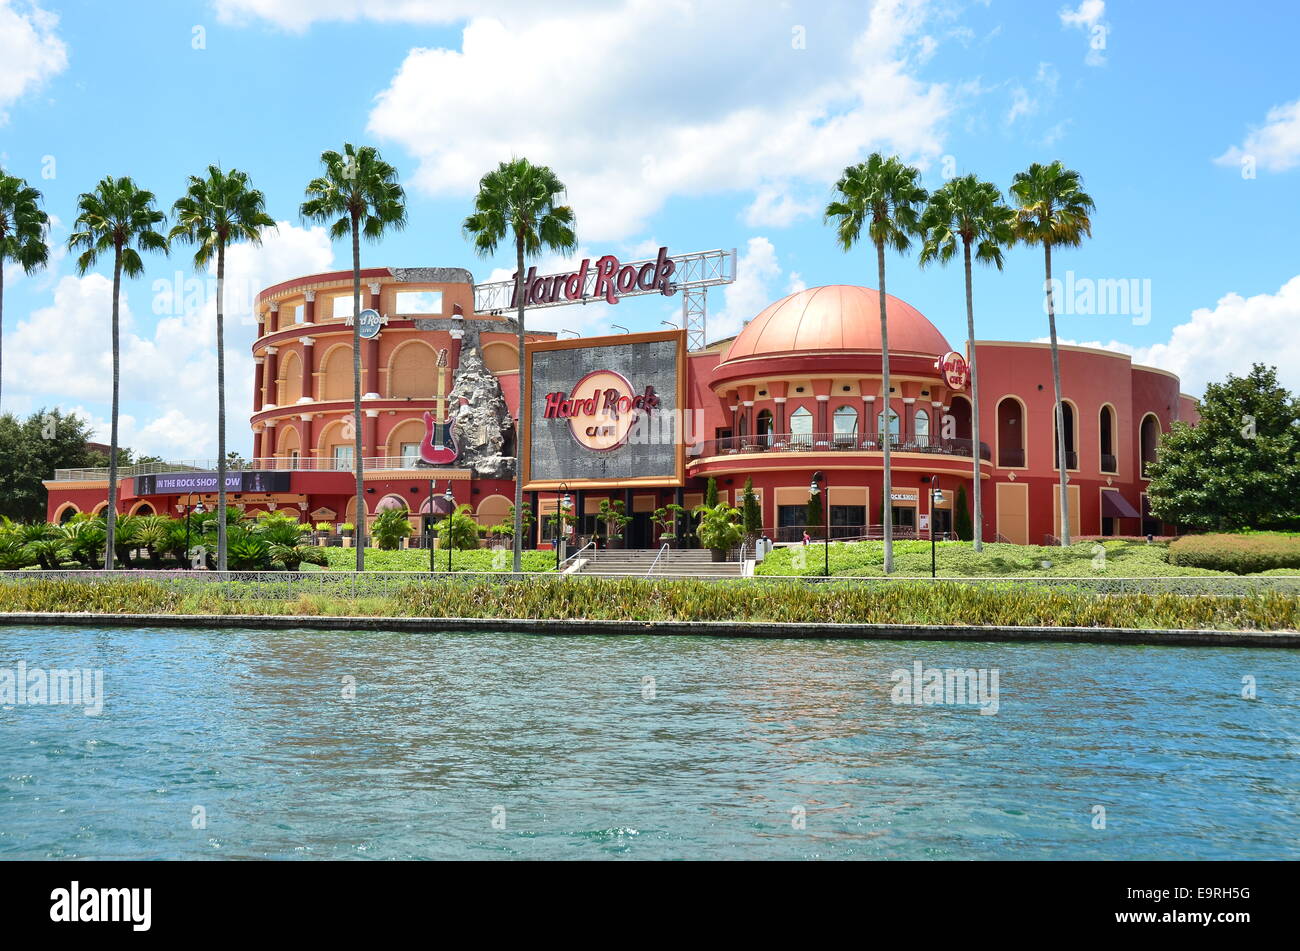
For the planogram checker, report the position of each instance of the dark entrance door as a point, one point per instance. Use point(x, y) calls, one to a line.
point(942, 522)
point(639, 533)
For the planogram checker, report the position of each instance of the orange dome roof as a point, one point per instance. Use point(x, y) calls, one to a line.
point(836, 317)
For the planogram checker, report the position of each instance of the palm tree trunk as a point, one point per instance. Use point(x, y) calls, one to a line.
point(518, 559)
point(2, 324)
point(975, 408)
point(1060, 410)
point(359, 538)
point(110, 513)
point(221, 411)
point(884, 386)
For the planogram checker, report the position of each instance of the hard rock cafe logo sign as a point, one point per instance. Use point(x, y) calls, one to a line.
point(955, 370)
point(602, 409)
point(611, 279)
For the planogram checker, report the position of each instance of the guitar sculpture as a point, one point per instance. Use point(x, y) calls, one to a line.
point(439, 445)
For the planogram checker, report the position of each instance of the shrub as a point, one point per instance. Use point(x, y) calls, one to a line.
point(1241, 554)
point(390, 527)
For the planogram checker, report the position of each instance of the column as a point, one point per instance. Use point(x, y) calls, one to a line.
point(308, 437)
point(370, 433)
point(375, 288)
point(270, 394)
point(257, 442)
point(273, 321)
point(453, 355)
point(907, 425)
point(308, 378)
point(309, 308)
point(268, 438)
point(258, 383)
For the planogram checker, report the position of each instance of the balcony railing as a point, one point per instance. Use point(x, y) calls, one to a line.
point(1009, 458)
point(832, 442)
point(270, 463)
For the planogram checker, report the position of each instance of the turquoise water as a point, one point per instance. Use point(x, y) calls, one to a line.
point(556, 737)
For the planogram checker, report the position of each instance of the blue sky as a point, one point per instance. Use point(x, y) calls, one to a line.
point(691, 124)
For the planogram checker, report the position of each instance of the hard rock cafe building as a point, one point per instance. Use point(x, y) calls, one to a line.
point(642, 419)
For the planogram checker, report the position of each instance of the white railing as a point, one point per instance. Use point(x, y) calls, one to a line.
point(271, 463)
point(662, 549)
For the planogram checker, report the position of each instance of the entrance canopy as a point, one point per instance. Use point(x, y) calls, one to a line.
point(1114, 505)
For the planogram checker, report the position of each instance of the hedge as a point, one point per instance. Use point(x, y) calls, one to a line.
point(1242, 554)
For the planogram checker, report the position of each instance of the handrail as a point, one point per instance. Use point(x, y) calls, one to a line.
point(836, 442)
point(663, 548)
point(576, 554)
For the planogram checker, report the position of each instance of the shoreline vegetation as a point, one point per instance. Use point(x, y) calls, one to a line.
point(542, 598)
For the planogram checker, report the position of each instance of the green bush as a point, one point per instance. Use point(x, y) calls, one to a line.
point(1243, 554)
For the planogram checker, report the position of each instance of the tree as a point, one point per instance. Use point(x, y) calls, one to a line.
point(884, 196)
point(522, 199)
point(30, 450)
point(390, 527)
point(120, 217)
point(813, 510)
point(711, 492)
point(971, 213)
point(751, 511)
point(22, 234)
point(961, 521)
point(1054, 210)
point(215, 212)
point(458, 529)
point(1239, 467)
point(358, 195)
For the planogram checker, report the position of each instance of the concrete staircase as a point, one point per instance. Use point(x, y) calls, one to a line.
point(635, 562)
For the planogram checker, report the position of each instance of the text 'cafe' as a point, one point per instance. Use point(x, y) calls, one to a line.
point(645, 419)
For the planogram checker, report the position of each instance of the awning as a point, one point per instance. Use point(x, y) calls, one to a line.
point(1114, 505)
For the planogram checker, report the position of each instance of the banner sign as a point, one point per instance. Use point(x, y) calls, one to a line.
point(955, 370)
point(176, 483)
point(602, 410)
point(611, 279)
point(371, 322)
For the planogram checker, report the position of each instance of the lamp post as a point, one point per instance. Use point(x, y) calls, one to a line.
point(936, 498)
point(561, 507)
point(197, 510)
point(451, 510)
point(819, 483)
point(428, 532)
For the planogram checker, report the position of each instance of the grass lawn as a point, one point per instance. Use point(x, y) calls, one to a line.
point(416, 559)
point(1120, 559)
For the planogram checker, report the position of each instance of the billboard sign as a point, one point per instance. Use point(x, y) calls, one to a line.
point(177, 483)
point(606, 410)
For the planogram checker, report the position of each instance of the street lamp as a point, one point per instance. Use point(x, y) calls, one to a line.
point(819, 483)
point(451, 510)
point(428, 535)
point(561, 507)
point(936, 498)
point(197, 510)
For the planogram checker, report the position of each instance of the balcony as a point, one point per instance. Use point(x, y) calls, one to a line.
point(1009, 458)
point(1109, 463)
point(837, 442)
point(270, 464)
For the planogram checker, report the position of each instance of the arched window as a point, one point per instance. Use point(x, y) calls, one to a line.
point(893, 423)
point(960, 412)
point(1011, 433)
point(1071, 454)
point(845, 422)
point(1106, 426)
point(764, 428)
point(1150, 441)
point(801, 422)
point(922, 431)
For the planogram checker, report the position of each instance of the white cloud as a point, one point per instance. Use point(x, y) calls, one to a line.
point(725, 100)
point(1088, 18)
point(1275, 145)
point(775, 207)
point(757, 270)
point(30, 51)
point(1228, 338)
point(62, 352)
point(299, 15)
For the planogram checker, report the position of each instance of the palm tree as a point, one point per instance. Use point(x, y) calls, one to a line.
point(215, 212)
point(22, 232)
point(359, 196)
point(884, 195)
point(120, 217)
point(520, 197)
point(970, 212)
point(1054, 210)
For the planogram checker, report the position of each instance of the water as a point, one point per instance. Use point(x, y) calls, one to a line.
point(553, 735)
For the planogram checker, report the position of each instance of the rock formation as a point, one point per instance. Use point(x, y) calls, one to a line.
point(482, 426)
